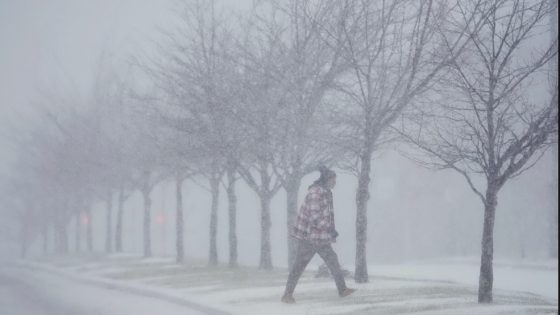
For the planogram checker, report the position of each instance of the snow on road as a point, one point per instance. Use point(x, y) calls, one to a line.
point(38, 293)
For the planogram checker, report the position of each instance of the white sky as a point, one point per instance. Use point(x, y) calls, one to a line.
point(51, 45)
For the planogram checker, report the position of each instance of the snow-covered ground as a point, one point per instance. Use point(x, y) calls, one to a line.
point(428, 287)
point(539, 278)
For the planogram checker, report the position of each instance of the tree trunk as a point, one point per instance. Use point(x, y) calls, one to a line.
point(179, 221)
point(213, 252)
point(266, 255)
point(118, 228)
point(23, 240)
point(292, 189)
point(56, 239)
point(23, 250)
point(78, 233)
point(64, 237)
point(553, 231)
point(61, 238)
point(232, 211)
point(147, 223)
point(109, 224)
point(486, 278)
point(362, 197)
point(45, 233)
point(553, 219)
point(89, 232)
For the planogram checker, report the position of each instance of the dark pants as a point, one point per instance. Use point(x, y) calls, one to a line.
point(304, 254)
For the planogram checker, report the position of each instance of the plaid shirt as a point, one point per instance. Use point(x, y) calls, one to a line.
point(315, 220)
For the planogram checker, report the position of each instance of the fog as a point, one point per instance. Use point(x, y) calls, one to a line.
point(415, 214)
point(52, 53)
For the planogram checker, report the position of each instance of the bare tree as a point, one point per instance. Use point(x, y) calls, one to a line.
point(394, 50)
point(70, 158)
point(146, 176)
point(258, 113)
point(488, 127)
point(196, 74)
point(181, 158)
point(23, 209)
point(55, 174)
point(307, 40)
point(110, 101)
point(145, 157)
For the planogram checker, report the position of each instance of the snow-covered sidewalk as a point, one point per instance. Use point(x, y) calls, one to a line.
point(422, 288)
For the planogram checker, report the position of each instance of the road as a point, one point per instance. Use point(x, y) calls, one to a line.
point(37, 293)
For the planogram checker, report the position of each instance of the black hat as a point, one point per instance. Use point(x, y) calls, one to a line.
point(326, 173)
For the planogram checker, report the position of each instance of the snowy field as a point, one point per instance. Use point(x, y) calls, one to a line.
point(428, 287)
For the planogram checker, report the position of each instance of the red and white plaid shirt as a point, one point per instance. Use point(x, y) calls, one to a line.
point(315, 220)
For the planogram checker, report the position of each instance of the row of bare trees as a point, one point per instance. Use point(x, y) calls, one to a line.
point(268, 95)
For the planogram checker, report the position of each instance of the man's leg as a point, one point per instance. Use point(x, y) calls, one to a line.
point(304, 254)
point(331, 259)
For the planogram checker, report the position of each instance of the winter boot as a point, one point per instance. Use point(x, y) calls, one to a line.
point(288, 299)
point(346, 292)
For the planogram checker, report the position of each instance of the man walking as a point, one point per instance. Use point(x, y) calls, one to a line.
point(315, 231)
